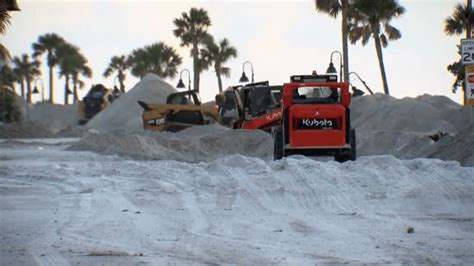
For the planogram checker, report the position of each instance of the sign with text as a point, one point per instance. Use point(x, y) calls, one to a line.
point(469, 93)
point(467, 51)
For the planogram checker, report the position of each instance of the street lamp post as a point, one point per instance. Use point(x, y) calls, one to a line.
point(180, 82)
point(36, 91)
point(363, 82)
point(244, 78)
point(331, 69)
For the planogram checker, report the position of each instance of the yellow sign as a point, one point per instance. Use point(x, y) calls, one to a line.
point(469, 81)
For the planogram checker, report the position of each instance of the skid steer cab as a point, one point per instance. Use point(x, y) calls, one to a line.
point(253, 106)
point(182, 110)
point(97, 99)
point(315, 119)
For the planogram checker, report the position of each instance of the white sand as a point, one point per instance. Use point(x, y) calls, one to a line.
point(200, 143)
point(81, 208)
point(54, 117)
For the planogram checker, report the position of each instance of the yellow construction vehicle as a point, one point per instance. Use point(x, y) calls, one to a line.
point(181, 110)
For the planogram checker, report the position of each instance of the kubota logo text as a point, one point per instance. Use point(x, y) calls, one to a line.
point(317, 122)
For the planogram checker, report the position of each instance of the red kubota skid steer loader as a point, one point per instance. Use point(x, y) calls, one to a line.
point(253, 106)
point(315, 119)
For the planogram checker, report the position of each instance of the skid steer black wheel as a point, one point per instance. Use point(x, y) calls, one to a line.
point(277, 143)
point(352, 155)
point(353, 145)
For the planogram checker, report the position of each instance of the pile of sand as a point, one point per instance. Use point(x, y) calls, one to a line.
point(124, 114)
point(55, 117)
point(199, 143)
point(24, 130)
point(50, 117)
point(402, 127)
point(425, 114)
point(459, 147)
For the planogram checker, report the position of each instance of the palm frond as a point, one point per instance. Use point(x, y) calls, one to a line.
point(392, 32)
point(330, 7)
point(383, 40)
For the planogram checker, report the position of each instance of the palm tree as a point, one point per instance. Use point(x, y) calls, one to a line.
point(458, 23)
point(219, 54)
point(4, 54)
point(82, 69)
point(192, 30)
point(120, 65)
point(157, 58)
point(72, 64)
point(5, 7)
point(20, 79)
point(332, 8)
point(49, 44)
point(26, 72)
point(370, 18)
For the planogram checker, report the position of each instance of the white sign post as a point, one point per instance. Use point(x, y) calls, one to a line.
point(467, 51)
point(469, 72)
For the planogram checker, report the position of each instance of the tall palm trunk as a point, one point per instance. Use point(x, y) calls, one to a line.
point(66, 89)
point(75, 80)
point(22, 85)
point(28, 93)
point(51, 85)
point(122, 86)
point(345, 45)
point(195, 66)
point(219, 79)
point(121, 81)
point(378, 47)
point(469, 26)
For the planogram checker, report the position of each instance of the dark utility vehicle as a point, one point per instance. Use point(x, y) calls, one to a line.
point(96, 100)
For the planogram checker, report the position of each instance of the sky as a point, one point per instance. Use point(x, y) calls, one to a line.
point(279, 38)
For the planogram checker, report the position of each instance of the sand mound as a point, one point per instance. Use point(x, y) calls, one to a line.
point(401, 127)
point(425, 114)
point(24, 130)
point(403, 145)
point(459, 147)
point(125, 114)
point(54, 117)
point(75, 131)
point(200, 143)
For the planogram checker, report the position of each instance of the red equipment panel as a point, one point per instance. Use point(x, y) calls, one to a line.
point(333, 115)
point(262, 121)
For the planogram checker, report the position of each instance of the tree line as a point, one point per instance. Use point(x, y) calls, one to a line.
point(366, 19)
point(158, 58)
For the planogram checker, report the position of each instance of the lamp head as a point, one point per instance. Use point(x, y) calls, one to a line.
point(180, 84)
point(331, 69)
point(35, 90)
point(243, 78)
